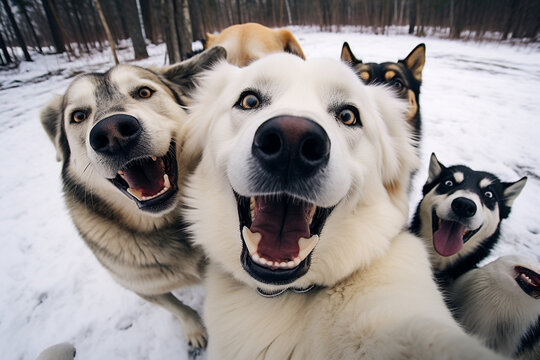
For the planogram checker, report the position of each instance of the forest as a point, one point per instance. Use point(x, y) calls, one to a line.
point(77, 27)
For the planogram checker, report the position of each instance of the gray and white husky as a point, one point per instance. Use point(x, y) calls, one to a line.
point(119, 137)
point(460, 215)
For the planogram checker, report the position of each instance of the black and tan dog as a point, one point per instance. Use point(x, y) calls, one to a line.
point(404, 76)
point(119, 137)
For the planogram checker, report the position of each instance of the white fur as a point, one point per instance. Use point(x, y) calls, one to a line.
point(378, 300)
point(488, 298)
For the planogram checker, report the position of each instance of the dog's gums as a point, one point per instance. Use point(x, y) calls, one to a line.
point(149, 181)
point(279, 234)
point(528, 281)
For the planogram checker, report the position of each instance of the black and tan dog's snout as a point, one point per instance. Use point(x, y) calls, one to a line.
point(291, 147)
point(119, 132)
point(463, 207)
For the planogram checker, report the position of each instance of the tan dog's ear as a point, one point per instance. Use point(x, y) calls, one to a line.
point(51, 119)
point(415, 61)
point(209, 40)
point(290, 44)
point(183, 74)
point(348, 56)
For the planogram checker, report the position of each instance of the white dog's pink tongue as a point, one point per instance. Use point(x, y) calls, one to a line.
point(448, 239)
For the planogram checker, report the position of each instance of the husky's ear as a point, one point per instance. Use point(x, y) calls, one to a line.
point(435, 168)
point(290, 44)
point(348, 56)
point(51, 118)
point(512, 190)
point(184, 73)
point(415, 61)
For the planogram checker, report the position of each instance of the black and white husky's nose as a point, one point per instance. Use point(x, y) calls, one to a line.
point(117, 132)
point(464, 207)
point(291, 147)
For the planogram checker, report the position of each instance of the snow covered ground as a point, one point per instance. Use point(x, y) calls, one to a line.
point(480, 107)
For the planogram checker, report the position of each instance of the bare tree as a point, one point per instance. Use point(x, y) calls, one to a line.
point(107, 30)
point(15, 27)
point(133, 24)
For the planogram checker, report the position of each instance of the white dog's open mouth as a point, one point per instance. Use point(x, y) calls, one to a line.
point(150, 181)
point(528, 281)
point(279, 234)
point(449, 236)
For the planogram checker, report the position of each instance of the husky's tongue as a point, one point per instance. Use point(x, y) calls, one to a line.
point(281, 223)
point(145, 177)
point(448, 239)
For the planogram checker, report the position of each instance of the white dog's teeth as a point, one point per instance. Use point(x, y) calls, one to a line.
point(283, 265)
point(167, 182)
point(251, 240)
point(307, 246)
point(296, 261)
point(291, 264)
point(138, 194)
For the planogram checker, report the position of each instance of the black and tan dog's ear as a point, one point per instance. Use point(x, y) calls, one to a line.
point(183, 73)
point(435, 168)
point(51, 118)
point(348, 56)
point(415, 61)
point(290, 44)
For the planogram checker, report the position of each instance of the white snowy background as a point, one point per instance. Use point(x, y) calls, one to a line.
point(480, 106)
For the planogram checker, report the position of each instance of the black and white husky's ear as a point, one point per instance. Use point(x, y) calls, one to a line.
point(512, 190)
point(348, 56)
point(51, 118)
point(435, 168)
point(183, 74)
point(415, 61)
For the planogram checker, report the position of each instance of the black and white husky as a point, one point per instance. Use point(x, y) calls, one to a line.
point(460, 215)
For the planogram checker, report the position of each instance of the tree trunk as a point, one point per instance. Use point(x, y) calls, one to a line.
point(129, 8)
point(107, 30)
point(15, 27)
point(147, 11)
point(24, 13)
point(58, 42)
point(412, 16)
point(171, 37)
point(183, 25)
point(5, 50)
point(84, 38)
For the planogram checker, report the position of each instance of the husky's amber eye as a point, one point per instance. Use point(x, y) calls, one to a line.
point(78, 116)
point(249, 101)
point(145, 92)
point(348, 116)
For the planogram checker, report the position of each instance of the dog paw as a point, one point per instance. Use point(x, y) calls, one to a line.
point(195, 333)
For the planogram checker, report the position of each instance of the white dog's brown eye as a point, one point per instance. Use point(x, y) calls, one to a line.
point(250, 101)
point(145, 92)
point(348, 116)
point(78, 116)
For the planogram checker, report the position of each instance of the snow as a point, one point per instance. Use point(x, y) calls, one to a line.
point(479, 107)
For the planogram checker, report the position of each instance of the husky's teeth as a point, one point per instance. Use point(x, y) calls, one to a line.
point(167, 182)
point(290, 264)
point(138, 194)
point(154, 158)
point(251, 240)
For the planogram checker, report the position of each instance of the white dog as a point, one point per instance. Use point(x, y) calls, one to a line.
point(300, 203)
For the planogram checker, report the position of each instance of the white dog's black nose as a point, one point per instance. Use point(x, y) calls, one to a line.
point(291, 147)
point(463, 207)
point(117, 132)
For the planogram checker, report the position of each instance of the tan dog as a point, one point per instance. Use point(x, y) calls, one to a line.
point(248, 42)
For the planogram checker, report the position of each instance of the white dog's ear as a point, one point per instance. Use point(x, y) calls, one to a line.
point(183, 74)
point(435, 168)
point(51, 120)
point(512, 190)
point(400, 159)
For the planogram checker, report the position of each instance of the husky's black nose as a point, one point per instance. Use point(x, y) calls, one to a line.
point(291, 147)
point(117, 132)
point(464, 207)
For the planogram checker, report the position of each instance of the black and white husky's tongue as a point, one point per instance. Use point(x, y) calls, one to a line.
point(448, 239)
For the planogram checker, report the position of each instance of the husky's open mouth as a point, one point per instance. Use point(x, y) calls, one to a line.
point(279, 234)
point(528, 281)
point(149, 181)
point(449, 236)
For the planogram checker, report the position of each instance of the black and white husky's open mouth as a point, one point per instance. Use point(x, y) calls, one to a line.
point(449, 236)
point(279, 234)
point(528, 280)
point(149, 181)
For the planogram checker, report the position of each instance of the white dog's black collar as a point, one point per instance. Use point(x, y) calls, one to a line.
point(266, 294)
